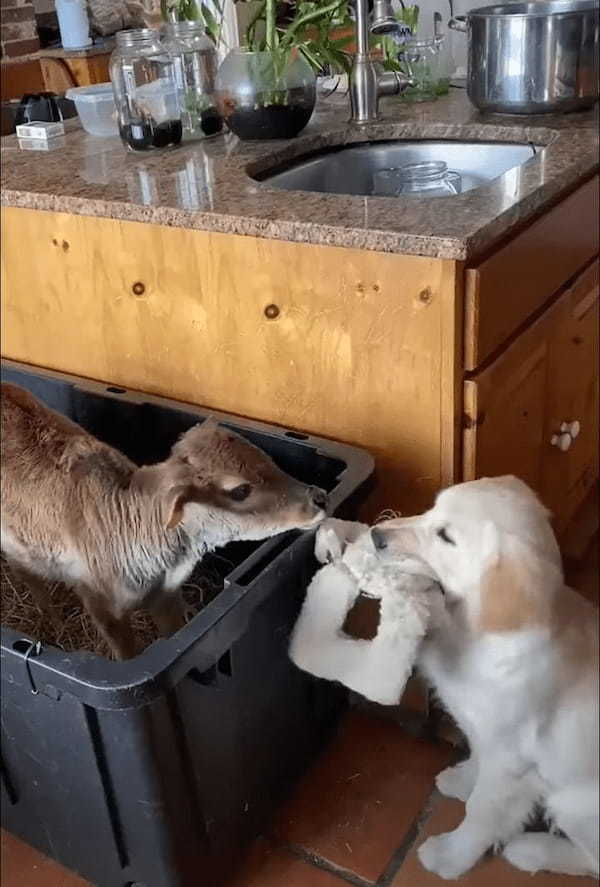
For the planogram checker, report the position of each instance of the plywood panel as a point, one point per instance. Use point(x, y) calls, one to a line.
point(357, 346)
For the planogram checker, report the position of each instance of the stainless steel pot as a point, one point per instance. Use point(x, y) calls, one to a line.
point(532, 58)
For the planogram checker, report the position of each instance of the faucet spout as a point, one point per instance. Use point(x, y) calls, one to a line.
point(367, 83)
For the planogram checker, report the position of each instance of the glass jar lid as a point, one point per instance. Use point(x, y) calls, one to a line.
point(425, 171)
point(138, 38)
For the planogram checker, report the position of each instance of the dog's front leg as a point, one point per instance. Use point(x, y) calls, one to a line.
point(499, 804)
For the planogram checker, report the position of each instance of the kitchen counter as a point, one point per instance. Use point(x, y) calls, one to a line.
point(206, 186)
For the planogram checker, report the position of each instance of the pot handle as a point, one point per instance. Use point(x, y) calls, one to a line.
point(458, 23)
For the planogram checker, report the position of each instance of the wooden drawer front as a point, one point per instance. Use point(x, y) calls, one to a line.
point(549, 375)
point(502, 292)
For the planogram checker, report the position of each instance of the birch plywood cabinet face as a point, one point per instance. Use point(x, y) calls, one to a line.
point(515, 408)
point(353, 345)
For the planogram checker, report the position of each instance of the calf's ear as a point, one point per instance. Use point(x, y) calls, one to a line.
point(170, 490)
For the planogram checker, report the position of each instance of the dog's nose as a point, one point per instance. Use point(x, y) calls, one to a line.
point(379, 540)
point(318, 498)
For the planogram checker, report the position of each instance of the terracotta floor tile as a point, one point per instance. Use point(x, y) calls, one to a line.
point(494, 872)
point(270, 866)
point(22, 866)
point(356, 805)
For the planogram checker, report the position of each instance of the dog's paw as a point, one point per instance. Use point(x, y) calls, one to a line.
point(527, 853)
point(457, 782)
point(446, 856)
point(539, 852)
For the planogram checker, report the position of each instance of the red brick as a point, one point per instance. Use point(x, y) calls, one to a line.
point(359, 801)
point(16, 48)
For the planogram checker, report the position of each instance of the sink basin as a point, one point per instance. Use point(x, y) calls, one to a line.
point(350, 169)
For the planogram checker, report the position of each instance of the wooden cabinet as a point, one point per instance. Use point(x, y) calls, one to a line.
point(503, 292)
point(356, 345)
point(515, 407)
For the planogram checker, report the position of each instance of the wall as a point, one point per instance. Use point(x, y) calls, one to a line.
point(457, 42)
point(18, 34)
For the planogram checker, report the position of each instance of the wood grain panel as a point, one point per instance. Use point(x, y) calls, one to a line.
point(510, 286)
point(547, 376)
point(353, 345)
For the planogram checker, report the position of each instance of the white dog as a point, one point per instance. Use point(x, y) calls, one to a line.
point(515, 661)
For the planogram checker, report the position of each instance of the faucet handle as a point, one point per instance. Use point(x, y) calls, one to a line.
point(393, 83)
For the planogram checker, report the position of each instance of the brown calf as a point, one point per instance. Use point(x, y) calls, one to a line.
point(78, 511)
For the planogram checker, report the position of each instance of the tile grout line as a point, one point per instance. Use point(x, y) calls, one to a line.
point(408, 842)
point(321, 863)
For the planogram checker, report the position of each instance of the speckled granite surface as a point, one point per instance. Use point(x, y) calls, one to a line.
point(207, 185)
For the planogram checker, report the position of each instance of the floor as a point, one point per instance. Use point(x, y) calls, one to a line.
point(357, 818)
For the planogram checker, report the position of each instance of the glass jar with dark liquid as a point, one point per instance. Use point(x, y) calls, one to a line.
point(145, 91)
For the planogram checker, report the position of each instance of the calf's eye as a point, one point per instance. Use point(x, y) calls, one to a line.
point(238, 494)
point(442, 533)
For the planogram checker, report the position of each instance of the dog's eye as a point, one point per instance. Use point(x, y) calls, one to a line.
point(238, 494)
point(445, 537)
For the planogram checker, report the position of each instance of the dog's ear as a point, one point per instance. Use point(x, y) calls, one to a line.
point(517, 584)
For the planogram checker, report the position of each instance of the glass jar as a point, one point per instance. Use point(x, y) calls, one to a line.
point(430, 178)
point(444, 66)
point(264, 95)
point(144, 87)
point(420, 58)
point(195, 64)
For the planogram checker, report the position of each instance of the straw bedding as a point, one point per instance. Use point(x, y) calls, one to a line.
point(66, 625)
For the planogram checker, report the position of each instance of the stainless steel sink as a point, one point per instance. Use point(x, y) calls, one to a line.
point(350, 169)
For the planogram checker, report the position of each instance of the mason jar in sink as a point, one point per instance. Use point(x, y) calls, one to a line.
point(428, 179)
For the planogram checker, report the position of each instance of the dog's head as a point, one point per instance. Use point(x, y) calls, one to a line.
point(491, 546)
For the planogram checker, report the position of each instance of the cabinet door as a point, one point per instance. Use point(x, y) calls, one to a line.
point(515, 407)
point(572, 395)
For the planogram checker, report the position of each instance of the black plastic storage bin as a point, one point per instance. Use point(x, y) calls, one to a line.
point(155, 772)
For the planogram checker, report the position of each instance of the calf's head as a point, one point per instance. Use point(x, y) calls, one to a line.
point(217, 482)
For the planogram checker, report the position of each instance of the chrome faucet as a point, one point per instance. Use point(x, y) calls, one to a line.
point(367, 84)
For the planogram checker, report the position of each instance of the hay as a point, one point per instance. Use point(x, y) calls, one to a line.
point(387, 514)
point(65, 624)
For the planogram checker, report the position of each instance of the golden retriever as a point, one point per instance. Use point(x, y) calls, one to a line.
point(514, 659)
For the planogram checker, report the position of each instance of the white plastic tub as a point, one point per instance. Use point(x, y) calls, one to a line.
point(96, 108)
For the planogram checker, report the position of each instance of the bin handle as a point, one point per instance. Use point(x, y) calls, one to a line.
point(34, 649)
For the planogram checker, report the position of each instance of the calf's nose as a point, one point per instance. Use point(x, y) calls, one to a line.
point(379, 540)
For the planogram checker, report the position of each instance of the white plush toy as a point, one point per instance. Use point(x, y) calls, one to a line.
point(410, 601)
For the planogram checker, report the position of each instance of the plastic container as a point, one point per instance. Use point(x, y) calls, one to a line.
point(96, 108)
point(155, 772)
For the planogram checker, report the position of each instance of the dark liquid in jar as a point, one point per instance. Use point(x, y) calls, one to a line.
point(145, 135)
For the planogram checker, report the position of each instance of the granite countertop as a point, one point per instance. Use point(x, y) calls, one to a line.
point(206, 185)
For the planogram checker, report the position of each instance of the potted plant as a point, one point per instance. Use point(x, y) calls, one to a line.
point(267, 88)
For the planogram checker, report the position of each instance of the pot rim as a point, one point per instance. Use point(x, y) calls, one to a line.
point(546, 8)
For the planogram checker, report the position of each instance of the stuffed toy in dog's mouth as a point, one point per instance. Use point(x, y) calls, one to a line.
point(363, 620)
